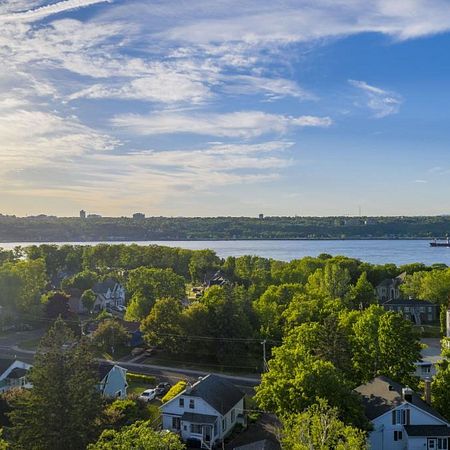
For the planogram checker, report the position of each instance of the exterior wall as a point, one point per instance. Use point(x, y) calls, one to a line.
point(115, 381)
point(238, 409)
point(383, 435)
point(418, 314)
point(20, 382)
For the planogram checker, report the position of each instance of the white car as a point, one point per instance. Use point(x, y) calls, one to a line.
point(148, 395)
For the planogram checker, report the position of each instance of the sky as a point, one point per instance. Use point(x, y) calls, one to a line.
point(224, 107)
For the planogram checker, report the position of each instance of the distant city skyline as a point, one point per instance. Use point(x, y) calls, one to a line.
point(224, 108)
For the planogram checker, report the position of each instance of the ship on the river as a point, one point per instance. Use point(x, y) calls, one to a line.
point(445, 243)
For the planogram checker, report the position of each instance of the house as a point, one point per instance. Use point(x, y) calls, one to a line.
point(401, 419)
point(206, 412)
point(13, 374)
point(109, 293)
point(431, 355)
point(112, 380)
point(417, 311)
point(389, 289)
point(217, 279)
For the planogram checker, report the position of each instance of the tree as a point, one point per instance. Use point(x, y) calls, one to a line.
point(384, 344)
point(332, 281)
point(121, 413)
point(319, 428)
point(147, 285)
point(164, 325)
point(296, 379)
point(202, 262)
point(88, 299)
point(62, 409)
point(56, 304)
point(110, 335)
point(139, 436)
point(440, 389)
point(362, 294)
point(83, 280)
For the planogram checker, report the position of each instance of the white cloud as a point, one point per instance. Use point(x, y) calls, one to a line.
point(48, 10)
point(242, 124)
point(383, 103)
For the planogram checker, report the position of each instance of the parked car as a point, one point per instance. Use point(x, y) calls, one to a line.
point(148, 395)
point(162, 388)
point(150, 351)
point(121, 308)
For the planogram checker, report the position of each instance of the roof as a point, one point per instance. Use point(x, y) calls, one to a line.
point(17, 373)
point(198, 418)
point(5, 363)
point(218, 392)
point(264, 444)
point(382, 395)
point(427, 430)
point(103, 286)
point(103, 369)
point(409, 302)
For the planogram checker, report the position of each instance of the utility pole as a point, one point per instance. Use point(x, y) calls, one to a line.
point(265, 365)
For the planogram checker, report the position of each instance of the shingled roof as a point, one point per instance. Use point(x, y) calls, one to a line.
point(218, 392)
point(383, 394)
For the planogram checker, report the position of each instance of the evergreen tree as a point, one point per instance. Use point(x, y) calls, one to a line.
point(62, 409)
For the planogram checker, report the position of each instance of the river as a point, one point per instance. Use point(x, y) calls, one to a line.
point(373, 251)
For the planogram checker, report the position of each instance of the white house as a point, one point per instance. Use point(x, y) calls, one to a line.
point(431, 355)
point(13, 374)
point(112, 380)
point(109, 293)
point(401, 419)
point(205, 412)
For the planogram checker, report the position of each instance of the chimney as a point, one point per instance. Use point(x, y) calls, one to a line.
point(407, 394)
point(427, 390)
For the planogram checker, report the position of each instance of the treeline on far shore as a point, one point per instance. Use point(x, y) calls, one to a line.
point(49, 228)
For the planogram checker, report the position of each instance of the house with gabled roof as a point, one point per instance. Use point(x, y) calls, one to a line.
point(112, 380)
point(205, 412)
point(13, 374)
point(401, 419)
point(109, 293)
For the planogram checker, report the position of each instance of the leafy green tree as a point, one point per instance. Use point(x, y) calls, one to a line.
point(384, 344)
point(121, 413)
point(147, 285)
point(139, 436)
point(332, 281)
point(164, 325)
point(296, 379)
point(270, 307)
point(320, 428)
point(88, 299)
point(203, 262)
point(110, 336)
point(62, 409)
point(412, 284)
point(362, 294)
point(83, 280)
point(440, 389)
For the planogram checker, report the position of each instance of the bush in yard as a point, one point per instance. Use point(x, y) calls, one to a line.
point(174, 391)
point(138, 377)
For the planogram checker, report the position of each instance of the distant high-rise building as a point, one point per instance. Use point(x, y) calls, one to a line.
point(137, 216)
point(261, 216)
point(82, 214)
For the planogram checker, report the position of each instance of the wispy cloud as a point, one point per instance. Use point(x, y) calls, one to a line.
point(48, 10)
point(383, 103)
point(242, 124)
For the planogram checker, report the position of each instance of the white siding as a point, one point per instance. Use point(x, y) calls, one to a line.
point(115, 383)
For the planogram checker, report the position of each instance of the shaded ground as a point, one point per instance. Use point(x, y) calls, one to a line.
point(265, 428)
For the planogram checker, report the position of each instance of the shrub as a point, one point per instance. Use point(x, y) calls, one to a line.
point(174, 391)
point(141, 377)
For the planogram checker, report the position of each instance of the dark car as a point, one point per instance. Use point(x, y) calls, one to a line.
point(162, 388)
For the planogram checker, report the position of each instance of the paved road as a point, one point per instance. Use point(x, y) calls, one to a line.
point(162, 373)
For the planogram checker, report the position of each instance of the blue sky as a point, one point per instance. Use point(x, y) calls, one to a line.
point(308, 107)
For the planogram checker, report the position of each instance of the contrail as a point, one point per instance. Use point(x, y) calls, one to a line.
point(44, 11)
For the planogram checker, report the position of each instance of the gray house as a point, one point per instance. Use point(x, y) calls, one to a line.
point(417, 311)
point(112, 380)
point(389, 289)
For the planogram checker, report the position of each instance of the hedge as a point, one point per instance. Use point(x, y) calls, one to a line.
point(140, 377)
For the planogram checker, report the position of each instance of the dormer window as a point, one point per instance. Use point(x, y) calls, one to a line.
point(191, 404)
point(401, 417)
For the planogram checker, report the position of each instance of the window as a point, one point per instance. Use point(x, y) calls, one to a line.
point(400, 417)
point(430, 309)
point(406, 308)
point(398, 435)
point(215, 429)
point(191, 404)
point(176, 423)
point(119, 394)
point(224, 424)
point(430, 317)
point(422, 309)
point(233, 416)
point(442, 444)
point(197, 429)
point(426, 369)
point(181, 402)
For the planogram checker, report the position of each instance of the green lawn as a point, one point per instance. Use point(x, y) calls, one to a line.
point(137, 387)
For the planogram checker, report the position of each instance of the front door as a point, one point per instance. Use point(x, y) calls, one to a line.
point(207, 433)
point(432, 444)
